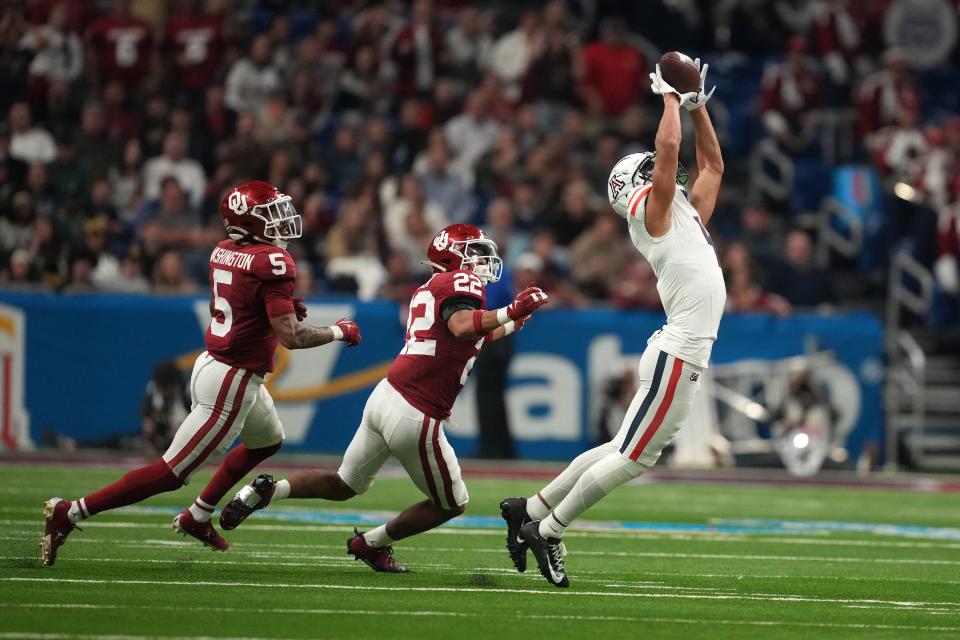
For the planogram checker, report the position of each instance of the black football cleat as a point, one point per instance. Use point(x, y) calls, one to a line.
point(377, 558)
point(549, 553)
point(253, 497)
point(514, 512)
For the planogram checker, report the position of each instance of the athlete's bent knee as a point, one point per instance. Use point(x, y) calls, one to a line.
point(341, 490)
point(454, 511)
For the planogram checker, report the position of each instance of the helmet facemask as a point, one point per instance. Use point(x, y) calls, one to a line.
point(643, 174)
point(481, 257)
point(282, 223)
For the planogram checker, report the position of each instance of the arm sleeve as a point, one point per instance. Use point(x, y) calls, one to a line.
point(278, 298)
point(451, 305)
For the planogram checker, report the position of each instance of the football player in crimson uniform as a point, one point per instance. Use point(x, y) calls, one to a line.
point(447, 325)
point(252, 308)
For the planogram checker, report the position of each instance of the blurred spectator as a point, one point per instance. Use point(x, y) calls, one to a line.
point(576, 214)
point(614, 72)
point(411, 221)
point(29, 143)
point(471, 134)
point(169, 222)
point(513, 51)
point(882, 93)
point(469, 45)
point(501, 226)
point(352, 253)
point(400, 284)
point(757, 234)
point(165, 404)
point(791, 97)
point(444, 188)
point(744, 293)
point(169, 277)
point(599, 256)
point(797, 279)
point(17, 227)
point(363, 85)
point(121, 46)
point(417, 51)
point(192, 39)
point(96, 151)
point(898, 149)
point(252, 79)
point(126, 181)
point(81, 271)
point(636, 287)
point(57, 52)
point(173, 163)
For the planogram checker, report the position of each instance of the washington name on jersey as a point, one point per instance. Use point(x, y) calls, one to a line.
point(249, 284)
point(433, 365)
point(689, 277)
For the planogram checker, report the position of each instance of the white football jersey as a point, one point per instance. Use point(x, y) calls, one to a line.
point(689, 278)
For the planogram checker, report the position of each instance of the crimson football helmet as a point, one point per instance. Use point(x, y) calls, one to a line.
point(256, 210)
point(464, 246)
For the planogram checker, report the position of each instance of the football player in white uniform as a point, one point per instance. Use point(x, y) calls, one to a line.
point(667, 226)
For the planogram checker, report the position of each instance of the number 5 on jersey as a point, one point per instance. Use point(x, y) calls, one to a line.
point(219, 327)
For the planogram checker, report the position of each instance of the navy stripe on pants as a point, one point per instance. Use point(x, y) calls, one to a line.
point(647, 401)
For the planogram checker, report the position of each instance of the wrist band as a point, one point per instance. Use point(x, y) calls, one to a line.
point(478, 323)
point(337, 332)
point(509, 328)
point(502, 316)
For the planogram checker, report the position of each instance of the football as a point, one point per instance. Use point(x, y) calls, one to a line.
point(679, 71)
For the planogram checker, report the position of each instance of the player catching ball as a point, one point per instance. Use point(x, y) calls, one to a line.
point(252, 307)
point(446, 327)
point(667, 227)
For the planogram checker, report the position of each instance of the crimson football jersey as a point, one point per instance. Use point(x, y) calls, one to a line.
point(194, 40)
point(433, 365)
point(249, 284)
point(123, 46)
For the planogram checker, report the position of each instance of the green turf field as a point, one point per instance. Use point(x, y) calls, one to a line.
point(127, 575)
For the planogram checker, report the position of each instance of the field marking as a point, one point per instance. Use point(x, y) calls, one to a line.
point(25, 635)
point(554, 592)
point(646, 554)
point(430, 613)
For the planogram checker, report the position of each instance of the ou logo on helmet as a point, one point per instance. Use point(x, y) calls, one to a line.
point(237, 203)
point(441, 241)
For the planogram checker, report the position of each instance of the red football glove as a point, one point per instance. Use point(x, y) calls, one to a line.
point(299, 308)
point(526, 302)
point(350, 331)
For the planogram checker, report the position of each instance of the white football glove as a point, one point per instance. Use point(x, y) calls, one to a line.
point(661, 87)
point(700, 98)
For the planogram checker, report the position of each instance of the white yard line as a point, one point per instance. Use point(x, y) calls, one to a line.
point(554, 592)
point(430, 613)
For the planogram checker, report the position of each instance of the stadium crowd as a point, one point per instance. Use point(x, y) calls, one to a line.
point(125, 122)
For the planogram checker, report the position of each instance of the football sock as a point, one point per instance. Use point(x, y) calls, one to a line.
point(201, 511)
point(282, 490)
point(595, 483)
point(78, 511)
point(378, 537)
point(134, 486)
point(540, 504)
point(235, 466)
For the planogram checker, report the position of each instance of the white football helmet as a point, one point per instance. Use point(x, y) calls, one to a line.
point(631, 171)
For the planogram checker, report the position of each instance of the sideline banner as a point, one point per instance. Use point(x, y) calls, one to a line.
point(86, 359)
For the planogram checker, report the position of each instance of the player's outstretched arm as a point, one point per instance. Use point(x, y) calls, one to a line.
point(703, 195)
point(293, 334)
point(660, 200)
point(497, 323)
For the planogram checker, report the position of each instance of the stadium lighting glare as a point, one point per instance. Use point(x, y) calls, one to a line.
point(904, 191)
point(801, 440)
